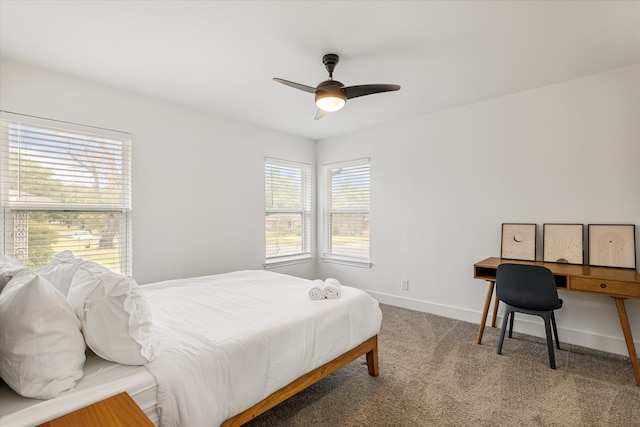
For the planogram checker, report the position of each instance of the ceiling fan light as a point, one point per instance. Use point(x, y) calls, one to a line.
point(330, 103)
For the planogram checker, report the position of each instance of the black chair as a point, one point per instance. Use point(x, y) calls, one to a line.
point(529, 289)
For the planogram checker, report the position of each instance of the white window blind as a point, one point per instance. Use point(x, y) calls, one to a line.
point(287, 209)
point(64, 187)
point(345, 211)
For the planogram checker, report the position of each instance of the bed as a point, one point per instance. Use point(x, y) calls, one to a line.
point(225, 348)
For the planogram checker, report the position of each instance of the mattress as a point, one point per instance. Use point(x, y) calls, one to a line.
point(102, 379)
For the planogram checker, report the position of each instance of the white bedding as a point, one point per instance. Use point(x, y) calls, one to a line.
point(227, 341)
point(102, 379)
point(224, 342)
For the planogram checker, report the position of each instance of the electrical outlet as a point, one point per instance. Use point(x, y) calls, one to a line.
point(405, 284)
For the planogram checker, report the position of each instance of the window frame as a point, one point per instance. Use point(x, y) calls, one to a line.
point(16, 206)
point(305, 211)
point(327, 211)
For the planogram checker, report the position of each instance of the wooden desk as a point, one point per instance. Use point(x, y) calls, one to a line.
point(117, 411)
point(617, 283)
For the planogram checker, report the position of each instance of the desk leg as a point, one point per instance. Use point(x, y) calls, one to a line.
point(485, 311)
point(496, 304)
point(626, 330)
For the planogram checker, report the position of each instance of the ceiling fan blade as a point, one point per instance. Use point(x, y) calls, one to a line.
point(296, 85)
point(320, 114)
point(362, 90)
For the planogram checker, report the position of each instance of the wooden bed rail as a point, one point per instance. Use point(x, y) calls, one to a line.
point(369, 347)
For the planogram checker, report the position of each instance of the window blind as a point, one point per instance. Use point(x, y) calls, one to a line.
point(287, 209)
point(346, 206)
point(64, 187)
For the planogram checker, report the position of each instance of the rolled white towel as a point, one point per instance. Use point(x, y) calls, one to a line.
point(317, 290)
point(332, 288)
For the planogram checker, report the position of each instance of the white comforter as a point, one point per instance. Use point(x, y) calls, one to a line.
point(227, 341)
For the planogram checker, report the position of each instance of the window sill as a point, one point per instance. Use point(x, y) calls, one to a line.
point(354, 262)
point(284, 261)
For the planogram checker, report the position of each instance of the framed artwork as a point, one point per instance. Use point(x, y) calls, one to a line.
point(612, 245)
point(518, 242)
point(563, 243)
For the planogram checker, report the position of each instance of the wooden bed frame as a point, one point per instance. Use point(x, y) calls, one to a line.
point(369, 347)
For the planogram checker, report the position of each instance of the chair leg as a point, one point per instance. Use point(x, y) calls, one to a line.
point(507, 313)
point(513, 316)
point(547, 327)
point(555, 330)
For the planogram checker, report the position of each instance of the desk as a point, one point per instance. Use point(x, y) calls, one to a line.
point(617, 283)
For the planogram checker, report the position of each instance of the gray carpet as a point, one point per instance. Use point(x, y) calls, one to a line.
point(433, 374)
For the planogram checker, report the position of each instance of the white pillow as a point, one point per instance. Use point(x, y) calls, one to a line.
point(60, 270)
point(8, 267)
point(116, 318)
point(42, 351)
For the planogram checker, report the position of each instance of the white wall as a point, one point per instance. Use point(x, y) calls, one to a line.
point(198, 179)
point(442, 185)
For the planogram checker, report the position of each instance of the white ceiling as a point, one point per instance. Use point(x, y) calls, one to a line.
point(221, 56)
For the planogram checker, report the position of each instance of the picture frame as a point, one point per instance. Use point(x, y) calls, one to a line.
point(612, 245)
point(518, 241)
point(563, 243)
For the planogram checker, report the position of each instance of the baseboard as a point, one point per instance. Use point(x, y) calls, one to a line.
point(615, 345)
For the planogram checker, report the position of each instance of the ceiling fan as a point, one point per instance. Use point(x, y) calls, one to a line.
point(331, 95)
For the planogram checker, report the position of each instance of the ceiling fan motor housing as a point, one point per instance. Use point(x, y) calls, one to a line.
point(330, 87)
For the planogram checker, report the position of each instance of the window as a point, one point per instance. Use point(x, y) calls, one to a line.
point(345, 212)
point(287, 211)
point(64, 187)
